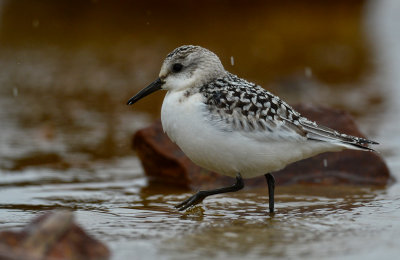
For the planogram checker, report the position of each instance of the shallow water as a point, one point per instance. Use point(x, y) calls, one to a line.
point(66, 132)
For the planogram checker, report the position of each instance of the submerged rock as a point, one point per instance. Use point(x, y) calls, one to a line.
point(163, 161)
point(53, 235)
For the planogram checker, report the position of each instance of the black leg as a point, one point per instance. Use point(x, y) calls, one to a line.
point(271, 188)
point(199, 196)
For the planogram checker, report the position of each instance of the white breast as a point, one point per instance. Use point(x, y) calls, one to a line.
point(229, 152)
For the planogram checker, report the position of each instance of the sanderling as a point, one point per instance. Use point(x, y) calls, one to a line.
point(234, 127)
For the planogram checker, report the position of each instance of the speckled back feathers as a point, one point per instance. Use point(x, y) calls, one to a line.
point(246, 105)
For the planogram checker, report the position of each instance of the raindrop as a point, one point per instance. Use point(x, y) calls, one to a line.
point(15, 92)
point(35, 23)
point(308, 72)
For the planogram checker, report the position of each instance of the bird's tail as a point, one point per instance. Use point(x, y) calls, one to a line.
point(322, 133)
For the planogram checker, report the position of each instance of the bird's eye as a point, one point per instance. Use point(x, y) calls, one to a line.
point(177, 67)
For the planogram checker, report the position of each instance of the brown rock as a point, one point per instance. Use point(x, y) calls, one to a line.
point(163, 161)
point(51, 236)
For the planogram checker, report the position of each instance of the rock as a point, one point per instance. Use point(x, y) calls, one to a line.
point(53, 235)
point(163, 161)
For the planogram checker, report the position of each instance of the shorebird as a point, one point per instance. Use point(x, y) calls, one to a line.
point(228, 125)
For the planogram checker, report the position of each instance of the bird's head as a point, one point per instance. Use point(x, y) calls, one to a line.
point(185, 67)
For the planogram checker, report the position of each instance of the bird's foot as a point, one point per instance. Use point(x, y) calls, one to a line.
point(191, 201)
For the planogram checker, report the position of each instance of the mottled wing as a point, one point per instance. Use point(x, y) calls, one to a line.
point(237, 105)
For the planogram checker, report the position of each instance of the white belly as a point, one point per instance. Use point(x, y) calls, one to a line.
point(227, 152)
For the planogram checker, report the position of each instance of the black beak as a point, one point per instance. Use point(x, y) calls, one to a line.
point(154, 86)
